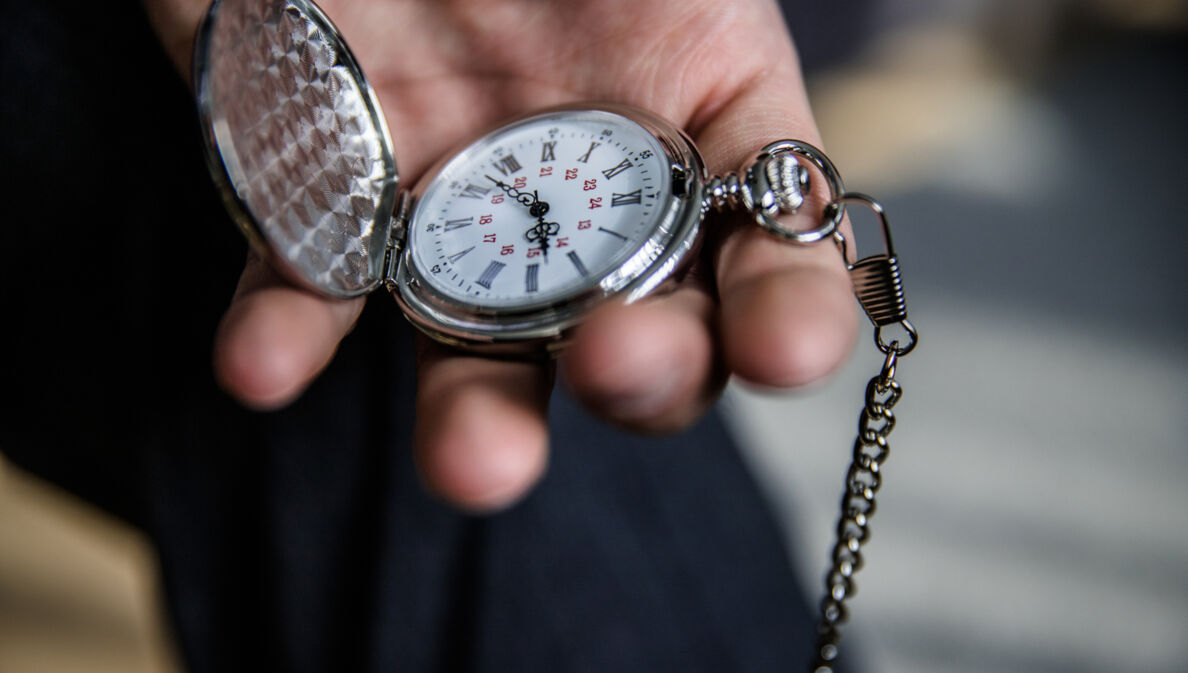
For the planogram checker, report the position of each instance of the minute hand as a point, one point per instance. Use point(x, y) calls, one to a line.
point(535, 206)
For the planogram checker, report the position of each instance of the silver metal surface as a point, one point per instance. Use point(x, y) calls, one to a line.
point(297, 141)
point(775, 183)
point(531, 329)
point(787, 182)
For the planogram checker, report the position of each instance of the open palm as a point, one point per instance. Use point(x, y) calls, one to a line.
point(773, 313)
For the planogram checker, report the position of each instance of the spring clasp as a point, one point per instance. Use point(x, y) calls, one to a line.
point(878, 284)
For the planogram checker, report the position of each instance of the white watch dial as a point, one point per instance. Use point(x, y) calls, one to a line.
point(540, 210)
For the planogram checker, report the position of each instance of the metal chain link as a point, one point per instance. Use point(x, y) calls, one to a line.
point(863, 479)
point(776, 183)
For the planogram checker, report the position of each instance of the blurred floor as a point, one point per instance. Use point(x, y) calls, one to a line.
point(1031, 514)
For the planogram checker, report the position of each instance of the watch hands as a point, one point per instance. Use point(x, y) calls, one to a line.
point(541, 231)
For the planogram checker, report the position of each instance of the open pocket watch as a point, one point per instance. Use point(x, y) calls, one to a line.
point(502, 247)
point(507, 244)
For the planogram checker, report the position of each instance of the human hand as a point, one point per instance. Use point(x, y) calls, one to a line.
point(773, 313)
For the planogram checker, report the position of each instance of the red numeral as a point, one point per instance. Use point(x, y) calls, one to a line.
point(533, 252)
point(497, 199)
point(507, 250)
point(590, 185)
point(571, 174)
point(520, 182)
point(485, 219)
point(595, 202)
point(546, 171)
point(488, 238)
point(584, 224)
point(562, 241)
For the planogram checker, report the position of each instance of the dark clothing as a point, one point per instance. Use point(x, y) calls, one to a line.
point(301, 540)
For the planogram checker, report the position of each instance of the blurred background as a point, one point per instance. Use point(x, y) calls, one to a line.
point(1029, 155)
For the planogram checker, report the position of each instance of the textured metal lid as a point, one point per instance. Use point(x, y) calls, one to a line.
point(297, 140)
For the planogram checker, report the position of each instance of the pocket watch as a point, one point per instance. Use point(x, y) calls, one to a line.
point(503, 246)
point(506, 244)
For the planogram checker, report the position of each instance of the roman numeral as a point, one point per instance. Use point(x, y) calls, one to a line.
point(474, 191)
point(493, 270)
point(451, 225)
point(507, 164)
point(531, 273)
point(622, 166)
point(586, 157)
point(612, 233)
point(546, 151)
point(577, 263)
point(459, 255)
point(625, 199)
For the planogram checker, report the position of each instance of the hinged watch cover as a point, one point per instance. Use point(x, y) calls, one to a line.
point(296, 141)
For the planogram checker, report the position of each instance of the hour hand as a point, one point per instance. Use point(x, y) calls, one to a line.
point(541, 232)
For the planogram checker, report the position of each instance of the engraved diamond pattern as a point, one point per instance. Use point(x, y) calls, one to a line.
point(298, 141)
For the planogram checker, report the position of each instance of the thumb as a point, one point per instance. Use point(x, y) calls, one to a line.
point(787, 310)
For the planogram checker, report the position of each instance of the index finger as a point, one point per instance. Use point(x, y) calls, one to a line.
point(275, 338)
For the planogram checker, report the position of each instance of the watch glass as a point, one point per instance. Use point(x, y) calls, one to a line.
point(541, 210)
point(518, 235)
